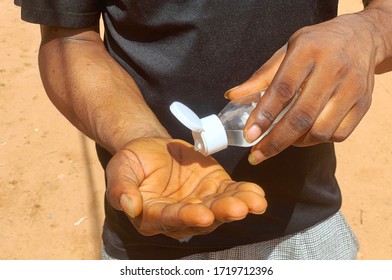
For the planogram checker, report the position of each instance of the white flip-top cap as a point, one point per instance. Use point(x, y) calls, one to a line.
point(208, 133)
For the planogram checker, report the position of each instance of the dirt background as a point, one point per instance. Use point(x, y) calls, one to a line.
point(52, 187)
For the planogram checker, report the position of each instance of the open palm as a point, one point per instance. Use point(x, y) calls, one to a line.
point(165, 186)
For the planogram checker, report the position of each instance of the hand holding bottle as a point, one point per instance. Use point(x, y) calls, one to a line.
point(165, 187)
point(331, 67)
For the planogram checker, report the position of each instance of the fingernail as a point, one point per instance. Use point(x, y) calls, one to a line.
point(227, 93)
point(253, 133)
point(127, 205)
point(256, 157)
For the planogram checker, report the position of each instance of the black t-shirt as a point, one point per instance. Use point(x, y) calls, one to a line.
point(193, 51)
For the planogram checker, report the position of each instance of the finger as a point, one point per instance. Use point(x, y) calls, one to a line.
point(351, 121)
point(249, 193)
point(245, 187)
point(175, 219)
point(229, 208)
point(123, 175)
point(356, 97)
point(261, 79)
point(340, 116)
point(256, 203)
point(288, 82)
point(184, 215)
point(319, 107)
point(326, 123)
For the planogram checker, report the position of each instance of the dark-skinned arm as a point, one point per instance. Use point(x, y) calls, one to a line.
point(162, 184)
point(91, 90)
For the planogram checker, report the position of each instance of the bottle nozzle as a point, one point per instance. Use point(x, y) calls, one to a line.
point(208, 133)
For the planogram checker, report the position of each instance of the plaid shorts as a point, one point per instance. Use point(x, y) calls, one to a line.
point(331, 239)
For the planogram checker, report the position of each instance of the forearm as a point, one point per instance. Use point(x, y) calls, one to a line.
point(92, 91)
point(378, 13)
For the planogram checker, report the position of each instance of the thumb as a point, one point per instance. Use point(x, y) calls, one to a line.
point(123, 186)
point(260, 79)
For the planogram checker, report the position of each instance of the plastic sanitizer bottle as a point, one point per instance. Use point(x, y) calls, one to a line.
point(214, 133)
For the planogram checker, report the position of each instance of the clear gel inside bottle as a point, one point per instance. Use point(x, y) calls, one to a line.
point(234, 116)
point(215, 132)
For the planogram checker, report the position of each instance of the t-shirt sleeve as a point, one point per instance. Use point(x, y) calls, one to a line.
point(68, 13)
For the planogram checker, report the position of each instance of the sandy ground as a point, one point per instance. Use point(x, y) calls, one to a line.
point(51, 185)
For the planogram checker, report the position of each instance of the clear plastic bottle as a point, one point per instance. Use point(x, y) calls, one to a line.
point(215, 132)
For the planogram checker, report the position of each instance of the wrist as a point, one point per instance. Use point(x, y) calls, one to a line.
point(116, 143)
point(377, 16)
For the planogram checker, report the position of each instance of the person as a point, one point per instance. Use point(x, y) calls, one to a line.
point(163, 199)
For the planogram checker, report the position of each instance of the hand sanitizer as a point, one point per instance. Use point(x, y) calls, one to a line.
point(215, 132)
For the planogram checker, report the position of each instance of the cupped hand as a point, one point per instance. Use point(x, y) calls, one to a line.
point(166, 187)
point(330, 67)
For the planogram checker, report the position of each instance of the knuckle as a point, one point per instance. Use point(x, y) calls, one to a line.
point(264, 114)
point(257, 73)
point(283, 91)
point(360, 83)
point(275, 147)
point(319, 135)
point(341, 68)
point(301, 33)
point(307, 38)
point(363, 106)
point(301, 120)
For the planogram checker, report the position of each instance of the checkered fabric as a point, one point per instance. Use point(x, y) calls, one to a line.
point(331, 239)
